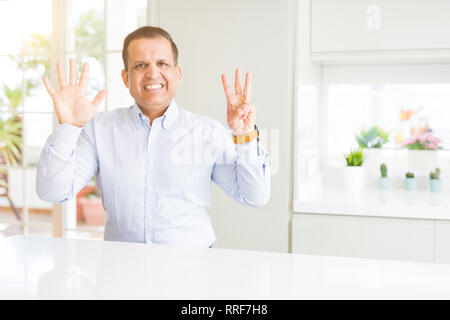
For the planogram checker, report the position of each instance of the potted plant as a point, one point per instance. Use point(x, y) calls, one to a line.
point(435, 182)
point(384, 181)
point(374, 137)
point(83, 193)
point(354, 172)
point(422, 150)
point(410, 181)
point(371, 141)
point(11, 139)
point(91, 206)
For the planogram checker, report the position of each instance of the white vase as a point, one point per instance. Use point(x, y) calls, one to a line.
point(353, 178)
point(423, 159)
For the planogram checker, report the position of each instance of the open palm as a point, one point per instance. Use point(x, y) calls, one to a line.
point(70, 102)
point(241, 114)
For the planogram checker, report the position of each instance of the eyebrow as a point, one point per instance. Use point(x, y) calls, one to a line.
point(159, 60)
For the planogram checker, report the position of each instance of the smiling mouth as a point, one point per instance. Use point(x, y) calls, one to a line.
point(151, 87)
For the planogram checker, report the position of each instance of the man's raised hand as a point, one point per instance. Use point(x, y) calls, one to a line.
point(241, 114)
point(70, 102)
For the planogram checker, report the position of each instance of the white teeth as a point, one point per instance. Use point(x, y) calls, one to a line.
point(153, 86)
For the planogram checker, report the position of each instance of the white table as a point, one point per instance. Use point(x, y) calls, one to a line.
point(42, 267)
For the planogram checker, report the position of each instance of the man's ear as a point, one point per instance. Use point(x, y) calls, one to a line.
point(179, 73)
point(125, 77)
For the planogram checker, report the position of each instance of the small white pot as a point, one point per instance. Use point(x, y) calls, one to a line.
point(353, 178)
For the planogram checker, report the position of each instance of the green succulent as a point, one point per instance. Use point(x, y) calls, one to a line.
point(409, 175)
point(435, 174)
point(383, 169)
point(354, 158)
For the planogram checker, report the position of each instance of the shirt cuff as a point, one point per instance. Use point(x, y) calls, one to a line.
point(66, 139)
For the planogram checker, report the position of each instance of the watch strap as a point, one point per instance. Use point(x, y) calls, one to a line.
point(247, 137)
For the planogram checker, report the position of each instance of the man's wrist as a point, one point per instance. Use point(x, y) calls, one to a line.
point(246, 137)
point(243, 133)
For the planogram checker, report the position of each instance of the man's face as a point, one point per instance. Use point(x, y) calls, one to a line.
point(152, 76)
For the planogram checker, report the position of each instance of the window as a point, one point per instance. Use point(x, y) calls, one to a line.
point(399, 109)
point(93, 34)
point(402, 99)
point(49, 31)
point(26, 117)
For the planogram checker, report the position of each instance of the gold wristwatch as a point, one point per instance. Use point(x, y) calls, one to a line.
point(246, 137)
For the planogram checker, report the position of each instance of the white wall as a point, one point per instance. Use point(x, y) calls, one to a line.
point(214, 37)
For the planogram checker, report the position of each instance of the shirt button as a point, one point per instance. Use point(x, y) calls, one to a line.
point(151, 162)
point(150, 189)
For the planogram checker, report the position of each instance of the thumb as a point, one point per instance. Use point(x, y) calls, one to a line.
point(99, 98)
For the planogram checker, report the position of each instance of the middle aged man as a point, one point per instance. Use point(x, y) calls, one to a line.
point(154, 161)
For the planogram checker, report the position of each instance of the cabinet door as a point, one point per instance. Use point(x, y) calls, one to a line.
point(442, 242)
point(379, 25)
point(363, 237)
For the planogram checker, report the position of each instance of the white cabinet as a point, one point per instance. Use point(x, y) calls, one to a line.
point(442, 250)
point(379, 25)
point(364, 237)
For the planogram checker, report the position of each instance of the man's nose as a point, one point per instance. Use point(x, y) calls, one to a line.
point(152, 71)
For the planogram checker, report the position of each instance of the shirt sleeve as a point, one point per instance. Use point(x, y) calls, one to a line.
point(67, 163)
point(243, 172)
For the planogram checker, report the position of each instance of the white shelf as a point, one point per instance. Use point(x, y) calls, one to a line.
point(376, 203)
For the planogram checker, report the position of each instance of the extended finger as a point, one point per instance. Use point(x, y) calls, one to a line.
point(84, 76)
point(99, 98)
point(61, 76)
point(238, 82)
point(248, 87)
point(49, 87)
point(73, 72)
point(226, 87)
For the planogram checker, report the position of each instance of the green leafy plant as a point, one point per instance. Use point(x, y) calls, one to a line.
point(95, 193)
point(14, 96)
point(11, 139)
point(409, 175)
point(383, 169)
point(374, 137)
point(89, 31)
point(434, 175)
point(354, 158)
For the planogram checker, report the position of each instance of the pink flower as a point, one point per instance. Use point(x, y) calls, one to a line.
point(424, 141)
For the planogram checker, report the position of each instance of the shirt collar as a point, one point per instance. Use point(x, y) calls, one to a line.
point(169, 117)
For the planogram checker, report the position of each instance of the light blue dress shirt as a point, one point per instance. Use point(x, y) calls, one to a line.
point(155, 181)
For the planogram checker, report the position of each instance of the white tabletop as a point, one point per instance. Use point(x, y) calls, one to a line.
point(42, 267)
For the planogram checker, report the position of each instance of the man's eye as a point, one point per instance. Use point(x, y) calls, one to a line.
point(140, 65)
point(163, 64)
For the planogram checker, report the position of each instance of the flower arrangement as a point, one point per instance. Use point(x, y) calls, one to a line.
point(424, 141)
point(374, 137)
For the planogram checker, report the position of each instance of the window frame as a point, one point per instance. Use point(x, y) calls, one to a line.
point(65, 214)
